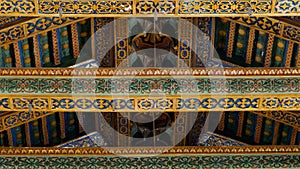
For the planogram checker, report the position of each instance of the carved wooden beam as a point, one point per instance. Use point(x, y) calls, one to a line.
point(110, 90)
point(134, 157)
point(125, 8)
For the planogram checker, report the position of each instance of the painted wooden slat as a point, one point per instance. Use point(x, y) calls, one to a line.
point(231, 37)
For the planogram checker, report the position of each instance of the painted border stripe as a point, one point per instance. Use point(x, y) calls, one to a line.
point(298, 57)
point(250, 46)
point(231, 35)
point(62, 125)
point(55, 44)
point(269, 50)
point(275, 135)
point(37, 52)
point(27, 134)
point(240, 124)
point(45, 131)
point(75, 40)
point(289, 54)
point(258, 129)
point(17, 54)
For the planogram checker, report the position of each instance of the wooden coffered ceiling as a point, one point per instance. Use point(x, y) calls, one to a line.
point(257, 42)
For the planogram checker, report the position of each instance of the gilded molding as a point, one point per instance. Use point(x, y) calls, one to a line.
point(144, 151)
point(141, 85)
point(142, 104)
point(173, 8)
point(271, 89)
point(33, 27)
point(140, 72)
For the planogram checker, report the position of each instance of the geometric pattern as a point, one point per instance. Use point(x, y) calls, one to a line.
point(18, 7)
point(130, 7)
point(160, 104)
point(204, 161)
point(175, 157)
point(161, 6)
point(289, 118)
point(93, 139)
point(230, 7)
point(193, 72)
point(196, 150)
point(254, 39)
point(270, 24)
point(212, 139)
point(5, 21)
point(147, 85)
point(32, 27)
point(260, 83)
point(282, 29)
point(84, 7)
point(291, 6)
point(15, 119)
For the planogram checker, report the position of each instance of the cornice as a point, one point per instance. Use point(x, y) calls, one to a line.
point(173, 8)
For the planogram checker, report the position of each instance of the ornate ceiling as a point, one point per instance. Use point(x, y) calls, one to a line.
point(231, 36)
point(256, 101)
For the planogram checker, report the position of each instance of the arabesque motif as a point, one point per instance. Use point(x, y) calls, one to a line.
point(159, 104)
point(285, 6)
point(146, 85)
point(207, 6)
point(240, 161)
point(18, 7)
point(142, 7)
